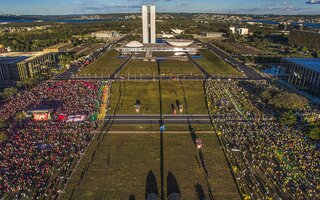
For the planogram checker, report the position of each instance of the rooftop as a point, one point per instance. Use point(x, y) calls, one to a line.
point(58, 46)
point(167, 44)
point(14, 57)
point(310, 63)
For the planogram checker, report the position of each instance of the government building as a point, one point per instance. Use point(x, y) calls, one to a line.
point(20, 65)
point(177, 47)
point(303, 73)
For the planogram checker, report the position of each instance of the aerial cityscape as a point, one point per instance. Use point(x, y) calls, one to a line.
point(155, 100)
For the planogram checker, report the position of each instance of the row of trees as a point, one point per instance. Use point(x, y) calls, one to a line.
point(25, 84)
point(291, 105)
point(36, 40)
point(307, 39)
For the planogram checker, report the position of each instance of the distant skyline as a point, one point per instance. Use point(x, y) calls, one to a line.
point(62, 7)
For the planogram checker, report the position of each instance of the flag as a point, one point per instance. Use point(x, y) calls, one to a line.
point(62, 117)
point(76, 118)
point(94, 117)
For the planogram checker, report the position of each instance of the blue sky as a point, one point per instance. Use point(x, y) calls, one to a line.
point(52, 7)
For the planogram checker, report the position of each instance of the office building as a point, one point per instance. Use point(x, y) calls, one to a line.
point(303, 73)
point(104, 35)
point(149, 24)
point(243, 31)
point(233, 29)
point(20, 65)
point(213, 35)
point(240, 31)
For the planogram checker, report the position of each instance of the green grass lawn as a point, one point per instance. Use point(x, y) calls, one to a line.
point(125, 94)
point(178, 67)
point(182, 159)
point(214, 65)
point(103, 66)
point(189, 94)
point(137, 67)
point(120, 166)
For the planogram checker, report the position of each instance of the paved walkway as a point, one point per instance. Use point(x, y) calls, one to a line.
point(156, 119)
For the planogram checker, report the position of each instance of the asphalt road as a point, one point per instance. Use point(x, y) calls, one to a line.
point(73, 69)
point(155, 119)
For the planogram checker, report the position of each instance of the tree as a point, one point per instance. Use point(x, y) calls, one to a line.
point(269, 93)
point(289, 101)
point(9, 92)
point(3, 124)
point(314, 132)
point(304, 49)
point(185, 36)
point(3, 137)
point(289, 118)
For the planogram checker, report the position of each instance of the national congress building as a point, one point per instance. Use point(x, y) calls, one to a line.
point(148, 46)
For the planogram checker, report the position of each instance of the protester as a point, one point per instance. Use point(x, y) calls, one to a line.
point(37, 156)
point(269, 161)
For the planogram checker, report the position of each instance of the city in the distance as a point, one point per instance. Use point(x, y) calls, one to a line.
point(155, 100)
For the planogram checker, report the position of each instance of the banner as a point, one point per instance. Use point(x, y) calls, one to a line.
point(43, 146)
point(76, 118)
point(41, 116)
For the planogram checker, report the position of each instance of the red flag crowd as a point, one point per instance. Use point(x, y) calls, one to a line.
point(36, 157)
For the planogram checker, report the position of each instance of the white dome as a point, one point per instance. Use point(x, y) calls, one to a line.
point(179, 43)
point(134, 44)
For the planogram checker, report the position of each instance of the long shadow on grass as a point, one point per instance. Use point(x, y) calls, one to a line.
point(200, 193)
point(173, 190)
point(151, 187)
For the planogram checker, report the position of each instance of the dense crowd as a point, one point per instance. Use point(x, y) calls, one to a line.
point(37, 156)
point(269, 161)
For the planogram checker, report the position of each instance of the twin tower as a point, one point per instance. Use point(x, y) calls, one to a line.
point(149, 23)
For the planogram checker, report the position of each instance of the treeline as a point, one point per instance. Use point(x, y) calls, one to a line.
point(307, 39)
point(191, 27)
point(36, 40)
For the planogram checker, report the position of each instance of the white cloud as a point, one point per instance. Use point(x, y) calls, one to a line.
point(313, 2)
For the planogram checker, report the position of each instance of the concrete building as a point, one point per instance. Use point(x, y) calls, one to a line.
point(303, 73)
point(149, 24)
point(233, 29)
point(240, 31)
point(166, 35)
point(213, 35)
point(177, 47)
point(18, 65)
point(104, 35)
point(58, 48)
point(177, 31)
point(243, 31)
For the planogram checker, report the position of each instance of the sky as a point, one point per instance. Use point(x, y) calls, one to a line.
point(60, 7)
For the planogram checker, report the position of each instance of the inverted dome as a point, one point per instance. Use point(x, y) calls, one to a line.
point(134, 44)
point(179, 43)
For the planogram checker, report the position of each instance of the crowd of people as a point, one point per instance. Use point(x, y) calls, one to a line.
point(269, 160)
point(37, 157)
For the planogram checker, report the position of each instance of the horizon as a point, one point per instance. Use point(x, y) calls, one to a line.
point(99, 7)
